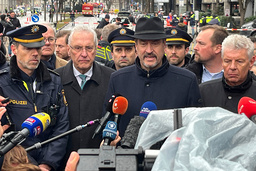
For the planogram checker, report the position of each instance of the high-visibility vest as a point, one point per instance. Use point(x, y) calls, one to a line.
point(208, 18)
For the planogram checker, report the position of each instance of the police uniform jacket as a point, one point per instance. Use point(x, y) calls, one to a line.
point(168, 87)
point(103, 53)
point(85, 105)
point(48, 91)
point(217, 93)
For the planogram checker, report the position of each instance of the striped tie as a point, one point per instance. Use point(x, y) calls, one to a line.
point(83, 77)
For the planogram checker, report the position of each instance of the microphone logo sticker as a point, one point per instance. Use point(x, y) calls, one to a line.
point(30, 121)
point(145, 110)
point(37, 130)
point(112, 125)
point(115, 106)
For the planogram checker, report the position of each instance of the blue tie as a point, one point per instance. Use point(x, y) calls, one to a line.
point(83, 77)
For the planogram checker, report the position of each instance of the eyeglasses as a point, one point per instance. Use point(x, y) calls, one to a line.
point(80, 48)
point(50, 39)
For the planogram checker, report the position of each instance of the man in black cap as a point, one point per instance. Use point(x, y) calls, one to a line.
point(122, 48)
point(152, 78)
point(104, 21)
point(32, 88)
point(178, 43)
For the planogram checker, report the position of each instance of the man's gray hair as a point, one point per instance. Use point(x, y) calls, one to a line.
point(237, 42)
point(83, 28)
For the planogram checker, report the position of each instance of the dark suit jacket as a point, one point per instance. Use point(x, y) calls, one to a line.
point(84, 105)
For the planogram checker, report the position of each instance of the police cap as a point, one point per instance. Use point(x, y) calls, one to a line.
point(29, 36)
point(119, 37)
point(177, 36)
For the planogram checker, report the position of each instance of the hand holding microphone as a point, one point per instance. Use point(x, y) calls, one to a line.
point(110, 132)
point(119, 107)
point(106, 117)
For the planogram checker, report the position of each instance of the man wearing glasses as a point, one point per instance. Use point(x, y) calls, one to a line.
point(85, 83)
point(48, 57)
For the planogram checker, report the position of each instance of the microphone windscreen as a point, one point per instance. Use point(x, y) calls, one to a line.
point(146, 108)
point(120, 105)
point(247, 106)
point(111, 101)
point(36, 123)
point(131, 133)
point(110, 130)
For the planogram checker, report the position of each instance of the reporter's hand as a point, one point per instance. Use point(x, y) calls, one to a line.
point(1, 99)
point(4, 127)
point(44, 167)
point(114, 142)
point(72, 162)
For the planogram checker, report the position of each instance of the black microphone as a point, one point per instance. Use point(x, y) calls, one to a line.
point(131, 133)
point(106, 117)
point(76, 129)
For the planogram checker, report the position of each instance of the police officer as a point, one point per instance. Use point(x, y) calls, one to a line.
point(122, 48)
point(175, 21)
point(32, 88)
point(103, 53)
point(177, 48)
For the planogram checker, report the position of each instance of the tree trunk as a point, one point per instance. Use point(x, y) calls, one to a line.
point(242, 8)
point(147, 6)
point(152, 6)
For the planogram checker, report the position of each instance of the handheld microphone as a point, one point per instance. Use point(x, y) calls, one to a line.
point(106, 117)
point(119, 107)
point(110, 132)
point(247, 106)
point(146, 108)
point(132, 130)
point(32, 126)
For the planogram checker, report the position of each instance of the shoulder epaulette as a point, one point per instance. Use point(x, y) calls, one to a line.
point(52, 71)
point(5, 70)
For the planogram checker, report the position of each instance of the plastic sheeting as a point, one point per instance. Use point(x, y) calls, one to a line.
point(211, 139)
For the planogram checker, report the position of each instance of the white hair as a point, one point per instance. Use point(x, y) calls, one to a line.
point(237, 42)
point(83, 28)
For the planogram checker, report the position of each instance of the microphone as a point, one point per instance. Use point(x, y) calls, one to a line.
point(31, 127)
point(132, 130)
point(119, 107)
point(106, 117)
point(146, 108)
point(76, 129)
point(247, 106)
point(110, 132)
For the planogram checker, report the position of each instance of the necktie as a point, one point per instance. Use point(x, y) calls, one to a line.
point(83, 77)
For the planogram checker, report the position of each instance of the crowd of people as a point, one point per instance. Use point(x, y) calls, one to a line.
point(71, 75)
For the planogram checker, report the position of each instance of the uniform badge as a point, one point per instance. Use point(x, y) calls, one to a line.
point(35, 29)
point(122, 31)
point(64, 97)
point(173, 31)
